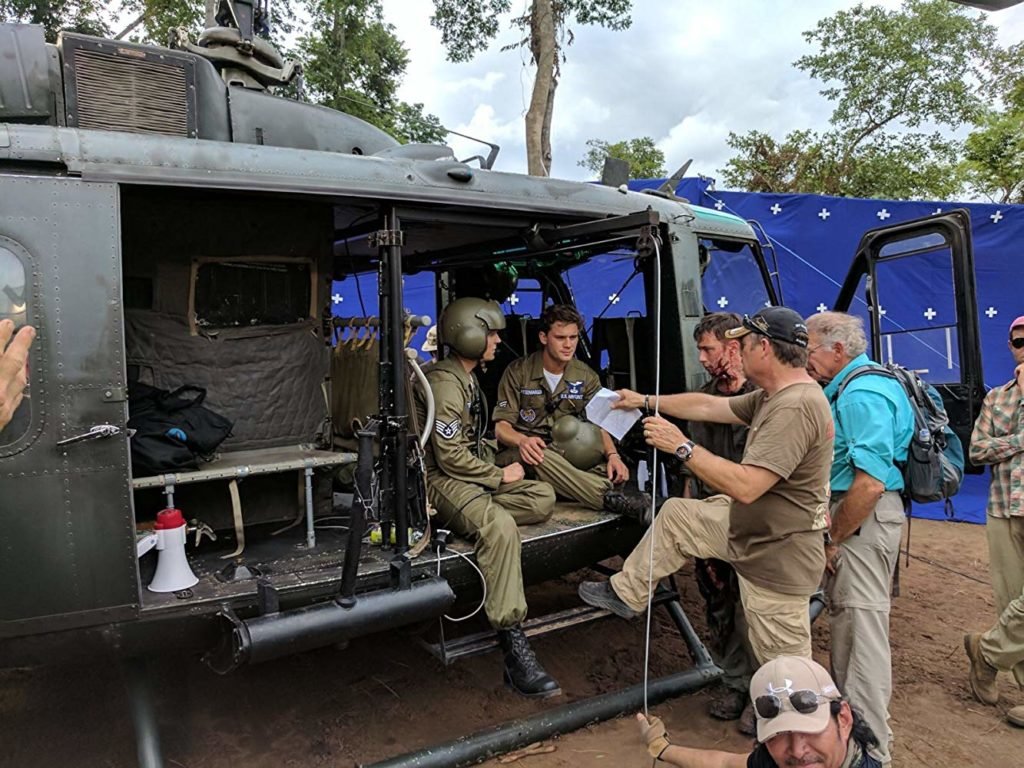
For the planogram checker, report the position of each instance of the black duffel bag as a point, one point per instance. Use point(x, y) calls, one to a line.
point(173, 431)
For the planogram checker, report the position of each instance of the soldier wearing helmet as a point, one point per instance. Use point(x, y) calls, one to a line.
point(474, 497)
point(541, 399)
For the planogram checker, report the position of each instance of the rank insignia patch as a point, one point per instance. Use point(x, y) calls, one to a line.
point(447, 431)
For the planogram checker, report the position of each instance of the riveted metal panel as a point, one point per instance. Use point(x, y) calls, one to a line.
point(67, 534)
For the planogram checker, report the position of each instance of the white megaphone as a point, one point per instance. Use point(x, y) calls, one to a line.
point(172, 569)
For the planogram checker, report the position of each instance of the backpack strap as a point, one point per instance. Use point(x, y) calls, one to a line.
point(867, 370)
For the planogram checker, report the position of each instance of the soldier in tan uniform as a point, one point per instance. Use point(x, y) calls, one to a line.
point(475, 498)
point(538, 390)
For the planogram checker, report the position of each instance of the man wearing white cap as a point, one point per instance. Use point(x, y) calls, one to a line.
point(802, 719)
point(430, 344)
point(998, 440)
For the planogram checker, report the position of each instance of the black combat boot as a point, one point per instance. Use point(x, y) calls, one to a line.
point(636, 506)
point(523, 673)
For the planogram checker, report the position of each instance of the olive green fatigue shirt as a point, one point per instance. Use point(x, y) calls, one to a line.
point(455, 448)
point(525, 401)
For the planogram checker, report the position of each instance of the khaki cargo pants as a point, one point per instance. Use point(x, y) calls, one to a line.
point(858, 599)
point(778, 624)
point(1003, 645)
point(586, 487)
point(491, 520)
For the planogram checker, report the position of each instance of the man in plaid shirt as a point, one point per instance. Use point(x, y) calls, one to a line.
point(998, 439)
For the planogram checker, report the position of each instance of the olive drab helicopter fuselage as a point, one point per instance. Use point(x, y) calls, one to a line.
point(166, 220)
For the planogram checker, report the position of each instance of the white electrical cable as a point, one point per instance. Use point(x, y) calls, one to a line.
point(654, 466)
point(482, 581)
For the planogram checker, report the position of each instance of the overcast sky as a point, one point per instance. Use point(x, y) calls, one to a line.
point(686, 73)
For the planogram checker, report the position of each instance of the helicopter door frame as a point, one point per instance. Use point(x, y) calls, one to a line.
point(963, 397)
point(67, 530)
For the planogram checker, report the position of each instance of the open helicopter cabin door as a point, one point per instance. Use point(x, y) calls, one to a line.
point(913, 283)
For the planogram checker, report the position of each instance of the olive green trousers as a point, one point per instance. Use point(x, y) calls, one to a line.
point(491, 519)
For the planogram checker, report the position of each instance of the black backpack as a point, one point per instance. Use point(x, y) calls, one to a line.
point(935, 458)
point(172, 431)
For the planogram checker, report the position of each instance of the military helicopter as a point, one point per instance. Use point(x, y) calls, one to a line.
point(167, 221)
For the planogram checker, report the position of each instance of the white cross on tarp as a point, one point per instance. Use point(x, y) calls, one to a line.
point(776, 209)
point(824, 213)
point(821, 307)
point(337, 298)
point(722, 302)
point(883, 214)
point(996, 217)
point(930, 313)
point(991, 312)
point(936, 211)
point(720, 204)
point(513, 299)
point(614, 298)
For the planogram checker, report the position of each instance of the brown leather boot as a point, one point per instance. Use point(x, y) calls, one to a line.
point(982, 675)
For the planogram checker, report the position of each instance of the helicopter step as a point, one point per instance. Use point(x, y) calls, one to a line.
point(450, 650)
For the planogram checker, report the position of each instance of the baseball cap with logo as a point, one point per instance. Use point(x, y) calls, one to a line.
point(430, 343)
point(791, 694)
point(779, 323)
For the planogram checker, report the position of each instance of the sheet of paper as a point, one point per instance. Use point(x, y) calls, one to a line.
point(615, 423)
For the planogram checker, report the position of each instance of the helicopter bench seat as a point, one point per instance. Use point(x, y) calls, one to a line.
point(234, 466)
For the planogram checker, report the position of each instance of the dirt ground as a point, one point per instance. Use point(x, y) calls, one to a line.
point(384, 696)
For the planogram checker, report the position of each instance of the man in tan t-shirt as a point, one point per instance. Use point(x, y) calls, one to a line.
point(770, 518)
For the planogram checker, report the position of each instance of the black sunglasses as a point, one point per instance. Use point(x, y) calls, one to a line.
point(804, 702)
point(1017, 343)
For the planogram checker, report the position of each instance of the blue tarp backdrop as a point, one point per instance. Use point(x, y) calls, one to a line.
point(814, 239)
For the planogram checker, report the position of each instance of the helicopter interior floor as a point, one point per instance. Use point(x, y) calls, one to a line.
point(288, 563)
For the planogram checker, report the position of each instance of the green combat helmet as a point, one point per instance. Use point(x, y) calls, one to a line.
point(465, 324)
point(579, 441)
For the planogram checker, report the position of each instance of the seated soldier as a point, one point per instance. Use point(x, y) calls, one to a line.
point(551, 384)
point(471, 495)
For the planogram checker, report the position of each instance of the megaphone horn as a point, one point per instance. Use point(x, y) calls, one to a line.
point(172, 569)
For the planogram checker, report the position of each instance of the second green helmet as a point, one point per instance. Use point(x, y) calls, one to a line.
point(465, 324)
point(579, 441)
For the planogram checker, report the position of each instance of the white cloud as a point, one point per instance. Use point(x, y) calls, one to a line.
point(686, 73)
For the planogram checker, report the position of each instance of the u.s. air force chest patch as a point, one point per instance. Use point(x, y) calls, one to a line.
point(573, 390)
point(447, 431)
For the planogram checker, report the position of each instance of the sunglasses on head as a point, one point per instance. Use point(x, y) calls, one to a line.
point(804, 702)
point(1017, 343)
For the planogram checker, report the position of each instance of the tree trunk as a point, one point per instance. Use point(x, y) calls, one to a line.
point(545, 133)
point(211, 13)
point(538, 117)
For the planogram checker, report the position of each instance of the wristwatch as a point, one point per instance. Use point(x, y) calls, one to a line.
point(685, 451)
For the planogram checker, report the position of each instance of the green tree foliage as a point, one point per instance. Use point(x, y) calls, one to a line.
point(158, 17)
point(645, 160)
point(354, 62)
point(994, 151)
point(85, 16)
point(469, 26)
point(893, 77)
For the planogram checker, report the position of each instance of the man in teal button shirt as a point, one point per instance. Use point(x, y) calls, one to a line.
point(874, 426)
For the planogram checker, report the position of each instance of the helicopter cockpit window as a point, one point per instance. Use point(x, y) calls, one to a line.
point(251, 293)
point(14, 305)
point(732, 280)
